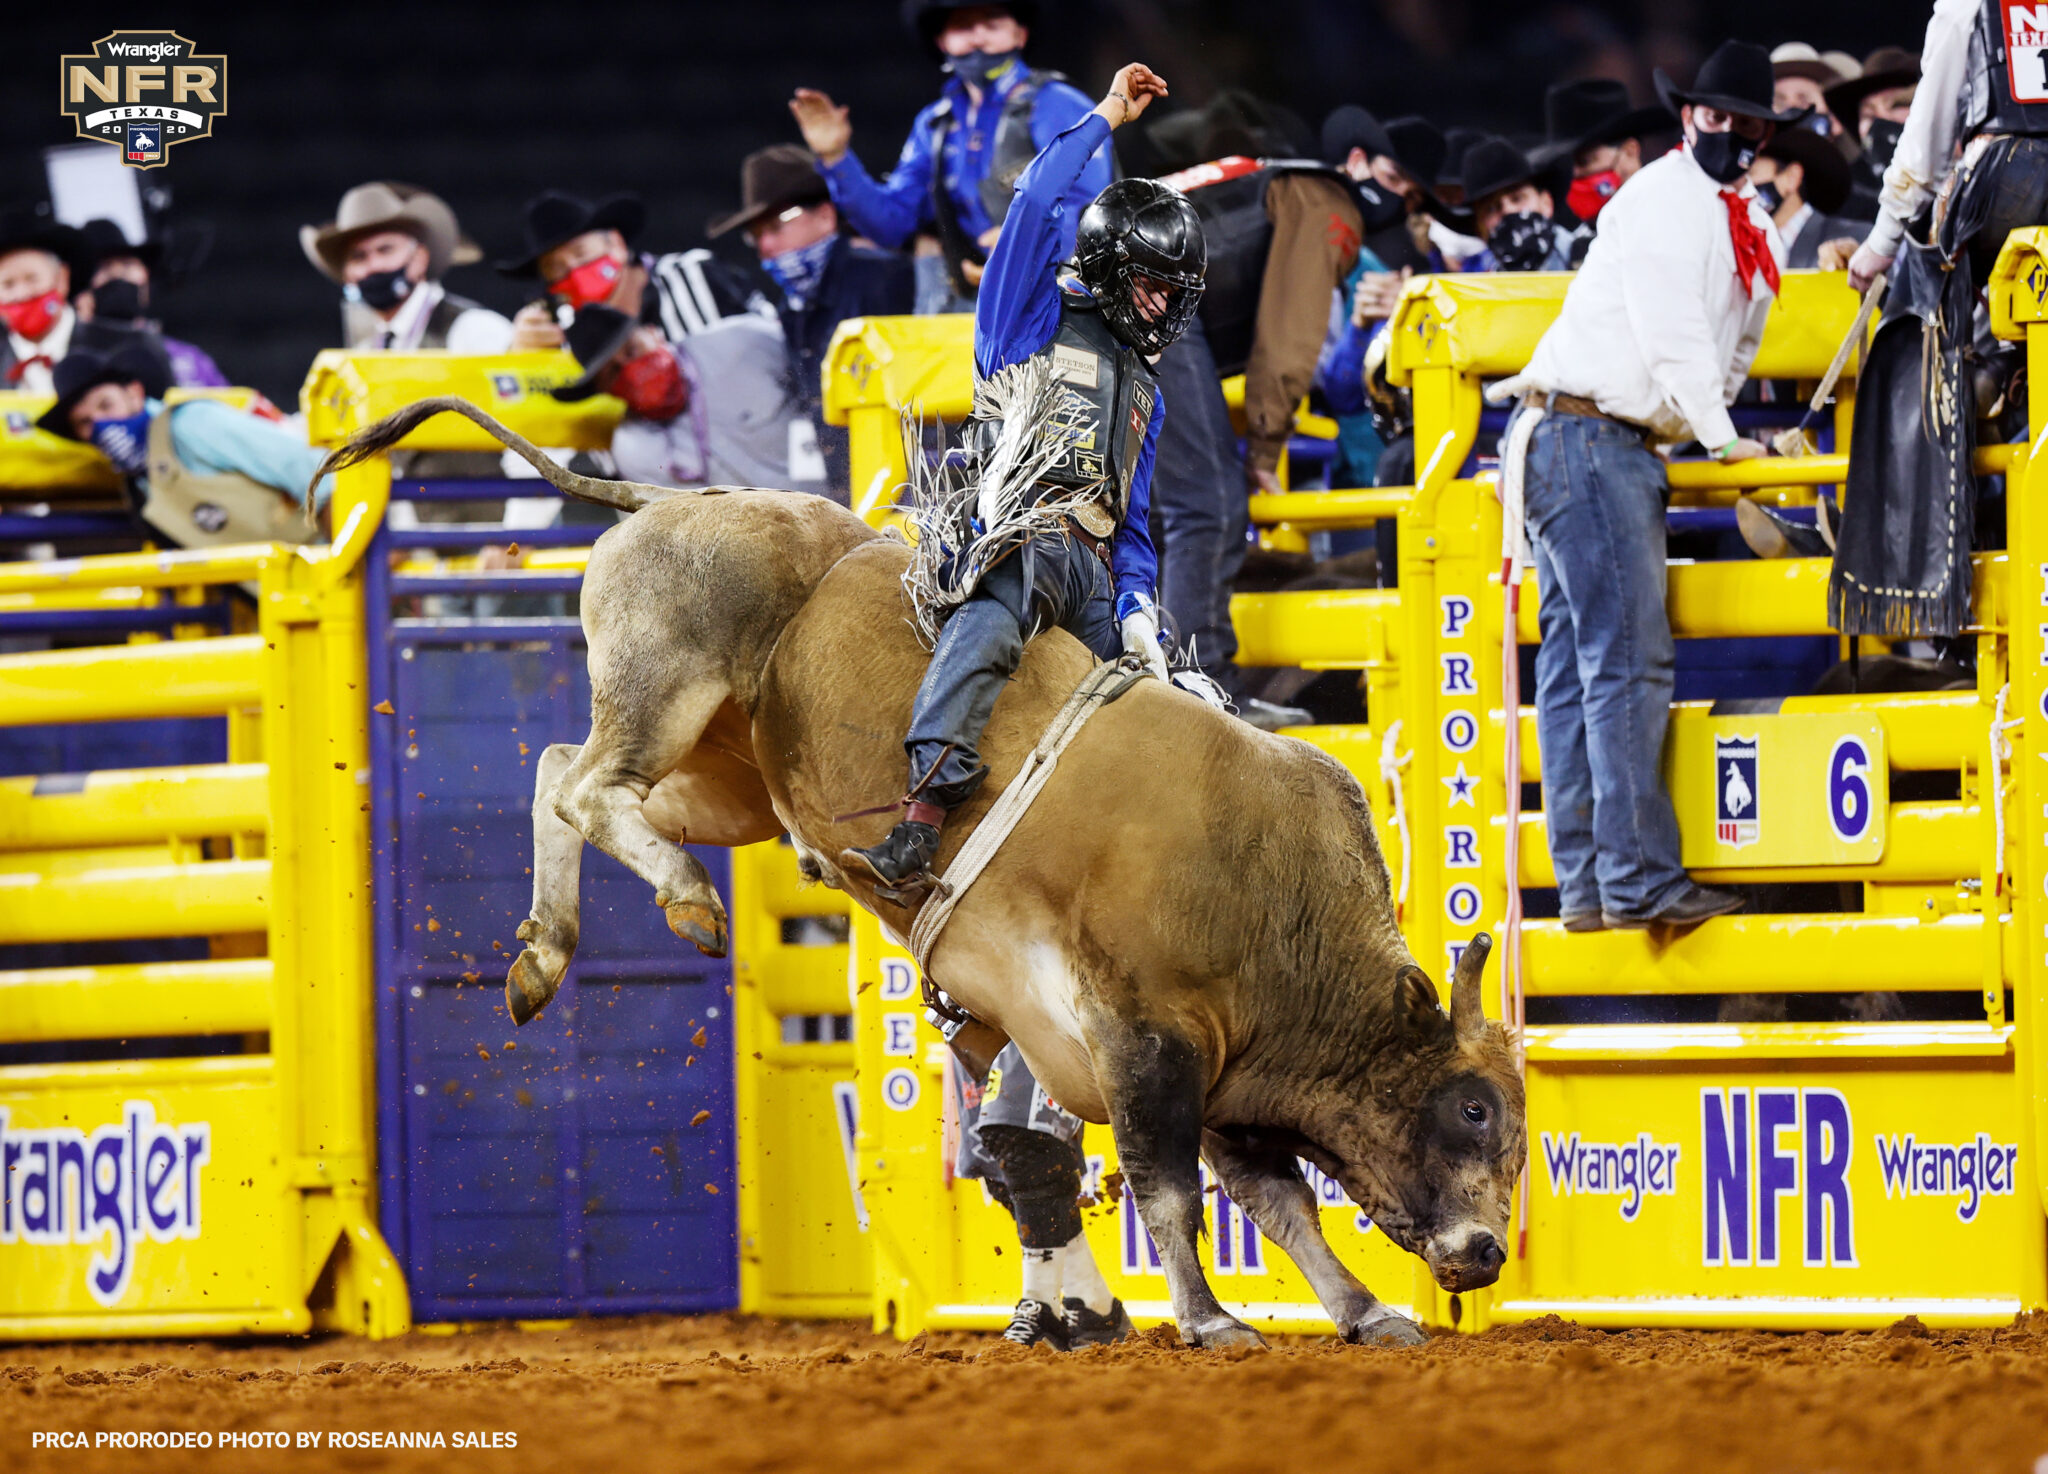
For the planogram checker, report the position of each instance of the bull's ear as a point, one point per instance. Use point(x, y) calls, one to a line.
point(1415, 1001)
point(1468, 1013)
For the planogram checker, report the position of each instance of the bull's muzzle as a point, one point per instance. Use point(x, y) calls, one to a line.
point(1471, 1263)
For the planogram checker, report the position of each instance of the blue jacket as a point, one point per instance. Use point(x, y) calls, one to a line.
point(856, 282)
point(1018, 312)
point(890, 211)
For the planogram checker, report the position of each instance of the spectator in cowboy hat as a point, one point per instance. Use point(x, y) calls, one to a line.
point(39, 260)
point(1803, 180)
point(206, 472)
point(1873, 108)
point(120, 289)
point(1414, 161)
point(1801, 77)
point(582, 252)
point(389, 244)
point(822, 279)
point(1513, 210)
point(1592, 124)
point(713, 410)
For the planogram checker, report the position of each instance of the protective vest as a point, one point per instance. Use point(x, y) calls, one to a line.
point(1119, 389)
point(1230, 197)
point(2005, 81)
point(204, 509)
point(442, 319)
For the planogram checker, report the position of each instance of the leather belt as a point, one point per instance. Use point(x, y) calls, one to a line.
point(1574, 404)
point(1099, 546)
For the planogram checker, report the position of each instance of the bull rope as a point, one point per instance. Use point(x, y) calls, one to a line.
point(1101, 686)
point(1995, 786)
point(1390, 774)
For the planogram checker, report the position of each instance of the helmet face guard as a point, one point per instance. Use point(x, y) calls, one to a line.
point(1139, 250)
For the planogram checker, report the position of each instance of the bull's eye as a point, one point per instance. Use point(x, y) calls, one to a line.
point(1474, 1112)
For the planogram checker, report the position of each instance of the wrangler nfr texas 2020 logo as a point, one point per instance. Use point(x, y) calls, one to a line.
point(143, 91)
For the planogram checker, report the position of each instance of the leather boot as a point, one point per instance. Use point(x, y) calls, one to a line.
point(905, 852)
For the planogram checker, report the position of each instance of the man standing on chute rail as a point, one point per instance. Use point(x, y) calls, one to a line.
point(1044, 523)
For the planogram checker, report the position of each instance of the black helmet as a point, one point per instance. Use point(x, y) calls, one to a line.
point(1142, 228)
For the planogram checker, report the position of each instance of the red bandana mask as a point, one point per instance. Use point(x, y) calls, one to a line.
point(591, 282)
point(653, 385)
point(1589, 192)
point(35, 317)
point(1753, 258)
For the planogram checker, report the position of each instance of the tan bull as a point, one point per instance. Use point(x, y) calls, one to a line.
point(1190, 935)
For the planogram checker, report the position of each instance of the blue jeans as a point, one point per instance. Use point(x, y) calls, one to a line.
point(1198, 490)
point(1594, 497)
point(1049, 582)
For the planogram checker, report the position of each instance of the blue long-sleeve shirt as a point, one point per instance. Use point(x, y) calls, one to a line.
point(889, 211)
point(213, 437)
point(1018, 312)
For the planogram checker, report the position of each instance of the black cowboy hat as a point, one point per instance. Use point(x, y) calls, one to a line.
point(1824, 173)
point(555, 218)
point(34, 228)
point(773, 179)
point(924, 19)
point(1420, 149)
point(102, 240)
point(1885, 68)
point(1233, 122)
point(1493, 164)
point(1349, 127)
point(1737, 78)
point(595, 336)
point(1595, 110)
point(119, 356)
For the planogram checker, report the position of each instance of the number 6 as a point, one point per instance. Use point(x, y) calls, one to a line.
point(1849, 789)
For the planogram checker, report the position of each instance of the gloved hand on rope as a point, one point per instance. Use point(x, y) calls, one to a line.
point(1138, 618)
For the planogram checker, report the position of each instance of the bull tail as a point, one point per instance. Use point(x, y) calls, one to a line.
point(624, 496)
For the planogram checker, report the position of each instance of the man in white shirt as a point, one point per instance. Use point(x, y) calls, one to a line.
point(389, 245)
point(37, 261)
point(1655, 338)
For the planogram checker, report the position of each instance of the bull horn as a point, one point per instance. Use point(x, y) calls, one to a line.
point(1468, 1014)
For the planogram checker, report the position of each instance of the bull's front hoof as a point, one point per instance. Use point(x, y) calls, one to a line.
point(1384, 1327)
point(1219, 1333)
point(703, 927)
point(536, 973)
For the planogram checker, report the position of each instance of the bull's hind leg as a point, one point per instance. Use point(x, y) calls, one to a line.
point(550, 931)
point(603, 795)
point(1263, 1178)
point(1155, 1082)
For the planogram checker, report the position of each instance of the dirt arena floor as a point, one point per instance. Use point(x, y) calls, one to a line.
point(728, 1392)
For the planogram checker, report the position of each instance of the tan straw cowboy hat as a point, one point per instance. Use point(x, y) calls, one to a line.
point(388, 205)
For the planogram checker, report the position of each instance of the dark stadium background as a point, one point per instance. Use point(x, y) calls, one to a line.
point(487, 104)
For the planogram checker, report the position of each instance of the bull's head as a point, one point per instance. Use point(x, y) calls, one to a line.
point(1431, 1146)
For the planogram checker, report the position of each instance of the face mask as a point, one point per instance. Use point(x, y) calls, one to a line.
point(798, 272)
point(1591, 191)
point(1519, 242)
point(117, 300)
point(35, 317)
point(1882, 141)
point(1817, 122)
point(979, 68)
point(380, 291)
point(1725, 157)
point(591, 282)
point(124, 442)
point(1767, 195)
point(653, 385)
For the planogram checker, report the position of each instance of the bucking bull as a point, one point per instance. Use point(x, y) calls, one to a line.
point(1190, 934)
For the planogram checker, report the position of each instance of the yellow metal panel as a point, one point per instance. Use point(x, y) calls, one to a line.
point(2018, 290)
point(138, 1000)
point(1743, 954)
point(195, 1139)
point(1800, 1144)
point(1318, 630)
point(893, 362)
point(1930, 843)
point(126, 806)
point(125, 901)
point(108, 682)
point(172, 568)
point(35, 460)
point(1814, 789)
point(346, 391)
